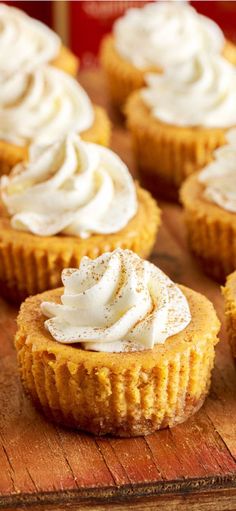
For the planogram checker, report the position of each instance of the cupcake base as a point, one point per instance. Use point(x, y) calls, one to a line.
point(99, 133)
point(66, 61)
point(229, 292)
point(143, 427)
point(31, 264)
point(211, 231)
point(122, 77)
point(169, 154)
point(121, 394)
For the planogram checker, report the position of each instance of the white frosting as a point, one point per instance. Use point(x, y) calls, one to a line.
point(25, 43)
point(201, 92)
point(71, 187)
point(219, 177)
point(163, 34)
point(117, 302)
point(41, 106)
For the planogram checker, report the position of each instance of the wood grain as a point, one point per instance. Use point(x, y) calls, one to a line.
point(192, 466)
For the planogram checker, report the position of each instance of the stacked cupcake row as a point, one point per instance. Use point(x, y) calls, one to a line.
point(40, 100)
point(173, 73)
point(63, 195)
point(180, 103)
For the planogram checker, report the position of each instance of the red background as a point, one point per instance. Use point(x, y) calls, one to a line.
point(90, 20)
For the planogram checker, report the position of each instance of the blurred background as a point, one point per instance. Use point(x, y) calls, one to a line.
point(81, 24)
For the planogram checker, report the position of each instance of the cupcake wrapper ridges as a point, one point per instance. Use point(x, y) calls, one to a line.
point(229, 292)
point(125, 403)
point(165, 152)
point(211, 237)
point(27, 268)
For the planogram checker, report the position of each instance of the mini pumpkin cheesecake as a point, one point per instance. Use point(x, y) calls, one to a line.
point(121, 350)
point(71, 199)
point(26, 43)
point(179, 119)
point(42, 105)
point(229, 293)
point(142, 41)
point(209, 201)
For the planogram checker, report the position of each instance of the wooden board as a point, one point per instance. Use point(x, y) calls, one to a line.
point(43, 466)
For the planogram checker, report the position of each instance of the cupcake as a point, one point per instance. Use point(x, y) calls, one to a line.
point(146, 39)
point(71, 199)
point(120, 350)
point(209, 201)
point(40, 106)
point(26, 43)
point(229, 292)
point(180, 118)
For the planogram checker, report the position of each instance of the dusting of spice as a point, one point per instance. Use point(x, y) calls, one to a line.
point(117, 303)
point(72, 188)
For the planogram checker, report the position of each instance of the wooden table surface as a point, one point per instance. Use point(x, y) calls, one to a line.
point(193, 466)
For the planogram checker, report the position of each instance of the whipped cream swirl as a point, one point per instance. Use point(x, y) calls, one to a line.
point(201, 92)
point(41, 106)
point(219, 177)
point(25, 43)
point(70, 187)
point(163, 34)
point(117, 302)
